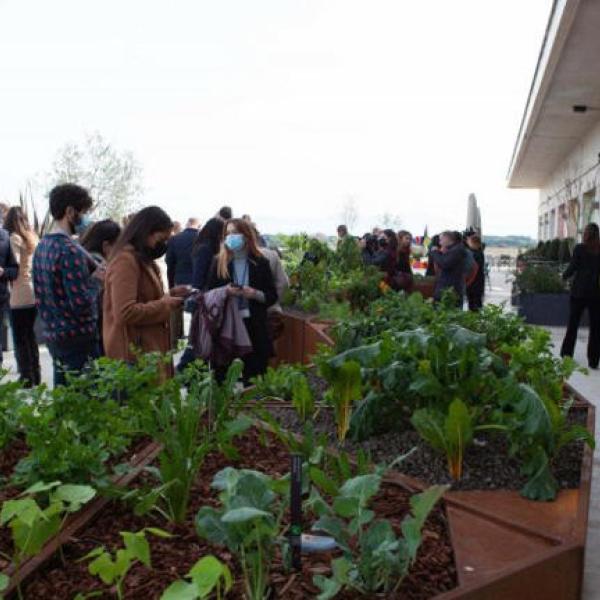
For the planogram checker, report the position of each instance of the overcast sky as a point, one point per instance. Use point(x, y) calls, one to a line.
point(281, 108)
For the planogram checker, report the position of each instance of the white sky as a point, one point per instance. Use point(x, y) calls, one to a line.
point(281, 108)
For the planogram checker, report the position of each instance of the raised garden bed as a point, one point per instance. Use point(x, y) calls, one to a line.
point(433, 573)
point(546, 309)
point(506, 546)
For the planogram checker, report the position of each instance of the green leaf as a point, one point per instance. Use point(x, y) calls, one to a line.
point(421, 505)
point(26, 509)
point(4, 581)
point(93, 553)
point(541, 484)
point(104, 567)
point(137, 546)
point(180, 590)
point(346, 507)
point(206, 574)
point(161, 533)
point(363, 487)
point(238, 426)
point(209, 526)
point(329, 587)
point(75, 496)
point(241, 515)
point(40, 486)
point(429, 424)
point(326, 484)
point(336, 528)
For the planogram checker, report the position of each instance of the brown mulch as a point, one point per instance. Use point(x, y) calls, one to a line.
point(432, 573)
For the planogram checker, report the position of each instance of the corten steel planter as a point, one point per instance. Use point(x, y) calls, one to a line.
point(75, 522)
point(425, 287)
point(509, 548)
point(301, 338)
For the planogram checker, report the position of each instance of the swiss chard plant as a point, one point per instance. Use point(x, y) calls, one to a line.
point(248, 523)
point(538, 428)
point(208, 576)
point(191, 415)
point(112, 568)
point(375, 558)
point(450, 433)
point(288, 382)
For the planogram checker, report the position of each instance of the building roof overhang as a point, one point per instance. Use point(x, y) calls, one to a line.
point(567, 76)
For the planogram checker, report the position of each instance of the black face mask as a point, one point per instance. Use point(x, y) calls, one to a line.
point(382, 242)
point(157, 251)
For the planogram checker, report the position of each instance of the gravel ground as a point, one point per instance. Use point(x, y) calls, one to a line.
point(486, 465)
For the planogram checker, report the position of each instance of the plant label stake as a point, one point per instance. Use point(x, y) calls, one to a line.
point(296, 511)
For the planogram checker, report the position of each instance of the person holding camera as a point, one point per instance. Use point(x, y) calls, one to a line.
point(449, 261)
point(241, 267)
point(385, 256)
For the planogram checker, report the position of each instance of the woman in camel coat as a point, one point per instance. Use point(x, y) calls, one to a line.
point(136, 308)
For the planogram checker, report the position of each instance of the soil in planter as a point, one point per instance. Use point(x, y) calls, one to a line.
point(432, 573)
point(486, 465)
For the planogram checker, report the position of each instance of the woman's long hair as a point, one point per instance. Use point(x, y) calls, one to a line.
point(100, 232)
point(392, 239)
point(147, 221)
point(16, 221)
point(591, 238)
point(225, 254)
point(210, 235)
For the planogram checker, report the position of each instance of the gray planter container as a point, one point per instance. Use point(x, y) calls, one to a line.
point(546, 309)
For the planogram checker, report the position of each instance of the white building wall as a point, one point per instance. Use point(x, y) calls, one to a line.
point(572, 192)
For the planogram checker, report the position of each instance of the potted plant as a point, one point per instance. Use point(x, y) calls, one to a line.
point(543, 297)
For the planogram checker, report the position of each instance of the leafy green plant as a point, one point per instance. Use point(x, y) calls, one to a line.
point(288, 382)
point(208, 575)
point(449, 433)
point(540, 279)
point(4, 581)
point(11, 402)
point(248, 523)
point(32, 523)
point(537, 427)
point(72, 431)
point(375, 558)
point(113, 568)
point(190, 423)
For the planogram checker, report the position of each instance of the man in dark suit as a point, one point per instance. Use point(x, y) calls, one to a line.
point(180, 268)
point(9, 270)
point(179, 255)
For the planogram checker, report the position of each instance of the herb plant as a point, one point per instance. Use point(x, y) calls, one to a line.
point(113, 568)
point(209, 575)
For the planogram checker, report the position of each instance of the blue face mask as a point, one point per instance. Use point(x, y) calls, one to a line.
point(83, 223)
point(235, 242)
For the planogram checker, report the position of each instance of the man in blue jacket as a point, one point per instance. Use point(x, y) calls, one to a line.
point(9, 270)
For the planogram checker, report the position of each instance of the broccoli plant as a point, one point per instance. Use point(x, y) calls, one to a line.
point(209, 575)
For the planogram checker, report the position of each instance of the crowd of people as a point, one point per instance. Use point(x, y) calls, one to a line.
point(98, 288)
point(456, 260)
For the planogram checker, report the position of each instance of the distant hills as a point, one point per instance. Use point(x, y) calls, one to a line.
point(509, 241)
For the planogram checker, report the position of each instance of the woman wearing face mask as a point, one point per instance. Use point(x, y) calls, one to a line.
point(241, 266)
point(136, 308)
